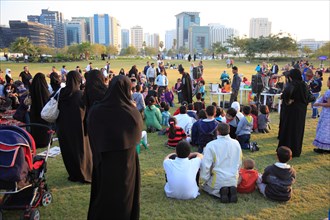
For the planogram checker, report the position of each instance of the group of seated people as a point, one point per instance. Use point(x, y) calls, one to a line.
point(219, 169)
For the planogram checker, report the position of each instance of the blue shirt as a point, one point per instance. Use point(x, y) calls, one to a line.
point(165, 116)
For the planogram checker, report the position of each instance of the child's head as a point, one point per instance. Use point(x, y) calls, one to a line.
point(183, 149)
point(138, 88)
point(246, 110)
point(134, 88)
point(264, 109)
point(202, 82)
point(162, 104)
point(198, 96)
point(284, 154)
point(254, 110)
point(214, 104)
point(185, 103)
point(223, 129)
point(231, 114)
point(183, 109)
point(172, 121)
point(248, 164)
point(166, 89)
point(190, 106)
point(151, 101)
point(202, 114)
point(178, 80)
point(155, 87)
point(145, 89)
point(166, 107)
point(219, 112)
point(210, 111)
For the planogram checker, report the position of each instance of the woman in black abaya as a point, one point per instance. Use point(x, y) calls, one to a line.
point(39, 96)
point(114, 128)
point(76, 153)
point(293, 113)
point(186, 86)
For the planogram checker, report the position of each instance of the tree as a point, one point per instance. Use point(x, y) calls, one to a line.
point(149, 51)
point(285, 45)
point(22, 45)
point(218, 48)
point(131, 50)
point(73, 50)
point(98, 49)
point(85, 48)
point(324, 50)
point(112, 50)
point(183, 50)
point(306, 50)
point(43, 49)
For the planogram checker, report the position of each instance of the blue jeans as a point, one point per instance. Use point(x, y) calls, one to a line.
point(315, 110)
point(244, 141)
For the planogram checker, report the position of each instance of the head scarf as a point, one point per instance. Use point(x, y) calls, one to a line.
point(295, 74)
point(114, 123)
point(73, 81)
point(39, 94)
point(95, 88)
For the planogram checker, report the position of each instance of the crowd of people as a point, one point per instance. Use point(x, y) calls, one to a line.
point(92, 101)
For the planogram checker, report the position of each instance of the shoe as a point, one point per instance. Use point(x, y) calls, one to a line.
point(321, 151)
point(232, 194)
point(224, 193)
point(254, 147)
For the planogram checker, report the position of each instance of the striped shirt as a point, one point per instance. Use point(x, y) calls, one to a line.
point(179, 135)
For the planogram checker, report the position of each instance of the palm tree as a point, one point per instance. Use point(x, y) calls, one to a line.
point(22, 45)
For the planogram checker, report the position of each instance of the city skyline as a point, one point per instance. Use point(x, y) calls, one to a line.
point(234, 14)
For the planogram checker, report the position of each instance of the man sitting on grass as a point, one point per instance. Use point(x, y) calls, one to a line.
point(182, 172)
point(220, 165)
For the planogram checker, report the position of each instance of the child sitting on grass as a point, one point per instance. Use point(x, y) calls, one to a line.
point(220, 115)
point(276, 181)
point(244, 128)
point(247, 177)
point(233, 121)
point(199, 105)
point(263, 119)
point(254, 114)
point(174, 133)
point(166, 115)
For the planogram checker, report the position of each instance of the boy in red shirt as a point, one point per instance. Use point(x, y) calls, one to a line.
point(247, 177)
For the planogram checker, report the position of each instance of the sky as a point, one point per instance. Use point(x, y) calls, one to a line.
point(302, 19)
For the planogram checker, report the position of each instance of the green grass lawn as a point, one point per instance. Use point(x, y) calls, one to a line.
point(311, 192)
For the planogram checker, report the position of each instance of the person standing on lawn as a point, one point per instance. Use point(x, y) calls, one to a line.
point(235, 85)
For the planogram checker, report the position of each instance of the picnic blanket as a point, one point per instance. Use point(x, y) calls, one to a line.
point(6, 118)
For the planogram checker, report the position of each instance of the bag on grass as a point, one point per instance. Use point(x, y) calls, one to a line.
point(50, 111)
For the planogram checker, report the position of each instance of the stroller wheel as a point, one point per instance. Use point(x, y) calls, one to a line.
point(34, 214)
point(47, 198)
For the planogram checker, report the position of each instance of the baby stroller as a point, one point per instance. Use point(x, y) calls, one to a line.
point(22, 173)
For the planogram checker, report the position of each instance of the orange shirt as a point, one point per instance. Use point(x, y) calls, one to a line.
point(248, 183)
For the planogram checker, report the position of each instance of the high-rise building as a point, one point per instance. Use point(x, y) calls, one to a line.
point(260, 27)
point(155, 41)
point(101, 29)
point(147, 39)
point(87, 26)
point(6, 37)
point(75, 31)
point(124, 38)
point(169, 37)
point(38, 34)
point(183, 21)
point(220, 33)
point(198, 38)
point(115, 33)
point(55, 20)
point(311, 44)
point(137, 37)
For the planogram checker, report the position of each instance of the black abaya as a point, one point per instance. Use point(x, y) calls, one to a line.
point(186, 88)
point(114, 129)
point(75, 149)
point(39, 96)
point(293, 116)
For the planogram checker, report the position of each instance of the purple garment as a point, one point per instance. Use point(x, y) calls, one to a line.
point(169, 96)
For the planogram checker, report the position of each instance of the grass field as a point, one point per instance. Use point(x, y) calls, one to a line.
point(311, 192)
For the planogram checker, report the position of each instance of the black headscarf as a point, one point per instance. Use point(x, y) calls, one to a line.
point(295, 75)
point(114, 123)
point(39, 94)
point(73, 81)
point(95, 88)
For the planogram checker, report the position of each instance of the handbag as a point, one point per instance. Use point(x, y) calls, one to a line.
point(50, 111)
